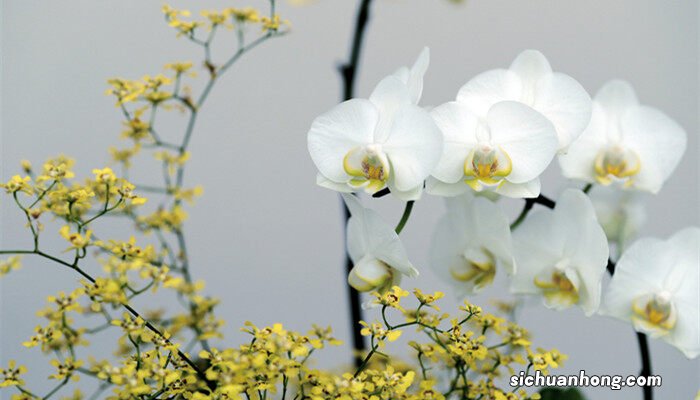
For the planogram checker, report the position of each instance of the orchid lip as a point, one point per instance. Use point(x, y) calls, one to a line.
point(368, 166)
point(487, 166)
point(559, 289)
point(475, 265)
point(654, 313)
point(616, 163)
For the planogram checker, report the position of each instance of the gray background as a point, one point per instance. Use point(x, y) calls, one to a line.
point(266, 239)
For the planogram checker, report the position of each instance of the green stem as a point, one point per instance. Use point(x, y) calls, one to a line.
point(57, 388)
point(404, 218)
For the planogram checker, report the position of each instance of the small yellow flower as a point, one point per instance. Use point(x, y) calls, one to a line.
point(43, 337)
point(11, 374)
point(26, 166)
point(273, 24)
point(105, 176)
point(246, 14)
point(127, 192)
point(124, 90)
point(391, 298)
point(428, 299)
point(66, 369)
point(180, 67)
point(379, 333)
point(18, 184)
point(11, 264)
point(124, 156)
point(136, 129)
point(77, 240)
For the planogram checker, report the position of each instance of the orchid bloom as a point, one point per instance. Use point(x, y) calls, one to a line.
point(656, 286)
point(530, 81)
point(562, 254)
point(379, 258)
point(626, 143)
point(469, 240)
point(504, 151)
point(621, 213)
point(385, 141)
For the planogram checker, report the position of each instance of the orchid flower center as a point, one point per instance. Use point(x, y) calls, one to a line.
point(486, 166)
point(616, 163)
point(559, 289)
point(371, 274)
point(477, 266)
point(368, 166)
point(654, 313)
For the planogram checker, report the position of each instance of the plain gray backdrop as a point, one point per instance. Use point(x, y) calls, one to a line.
point(266, 239)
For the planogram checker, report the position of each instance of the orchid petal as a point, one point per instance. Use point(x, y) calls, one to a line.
point(658, 141)
point(336, 132)
point(414, 146)
point(489, 88)
point(458, 126)
point(526, 136)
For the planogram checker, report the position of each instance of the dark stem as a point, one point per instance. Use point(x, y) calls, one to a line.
point(541, 199)
point(358, 341)
point(381, 193)
point(646, 364)
point(348, 72)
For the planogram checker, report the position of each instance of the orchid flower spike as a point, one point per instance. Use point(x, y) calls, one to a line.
point(385, 141)
point(562, 254)
point(656, 287)
point(468, 243)
point(379, 258)
point(531, 81)
point(633, 145)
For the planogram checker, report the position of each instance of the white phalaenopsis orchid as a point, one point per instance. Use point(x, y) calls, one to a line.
point(505, 151)
point(634, 145)
point(530, 80)
point(656, 286)
point(562, 254)
point(379, 258)
point(621, 213)
point(469, 240)
point(386, 141)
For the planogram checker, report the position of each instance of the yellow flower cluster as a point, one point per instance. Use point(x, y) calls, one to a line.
point(229, 18)
point(55, 192)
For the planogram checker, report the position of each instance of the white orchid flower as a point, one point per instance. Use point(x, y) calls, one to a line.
point(504, 152)
point(386, 141)
point(379, 258)
point(628, 143)
point(562, 254)
point(621, 213)
point(468, 243)
point(530, 80)
point(656, 286)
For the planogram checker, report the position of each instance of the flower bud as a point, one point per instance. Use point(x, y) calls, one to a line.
point(370, 274)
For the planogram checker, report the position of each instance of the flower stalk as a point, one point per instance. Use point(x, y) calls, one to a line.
point(348, 73)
